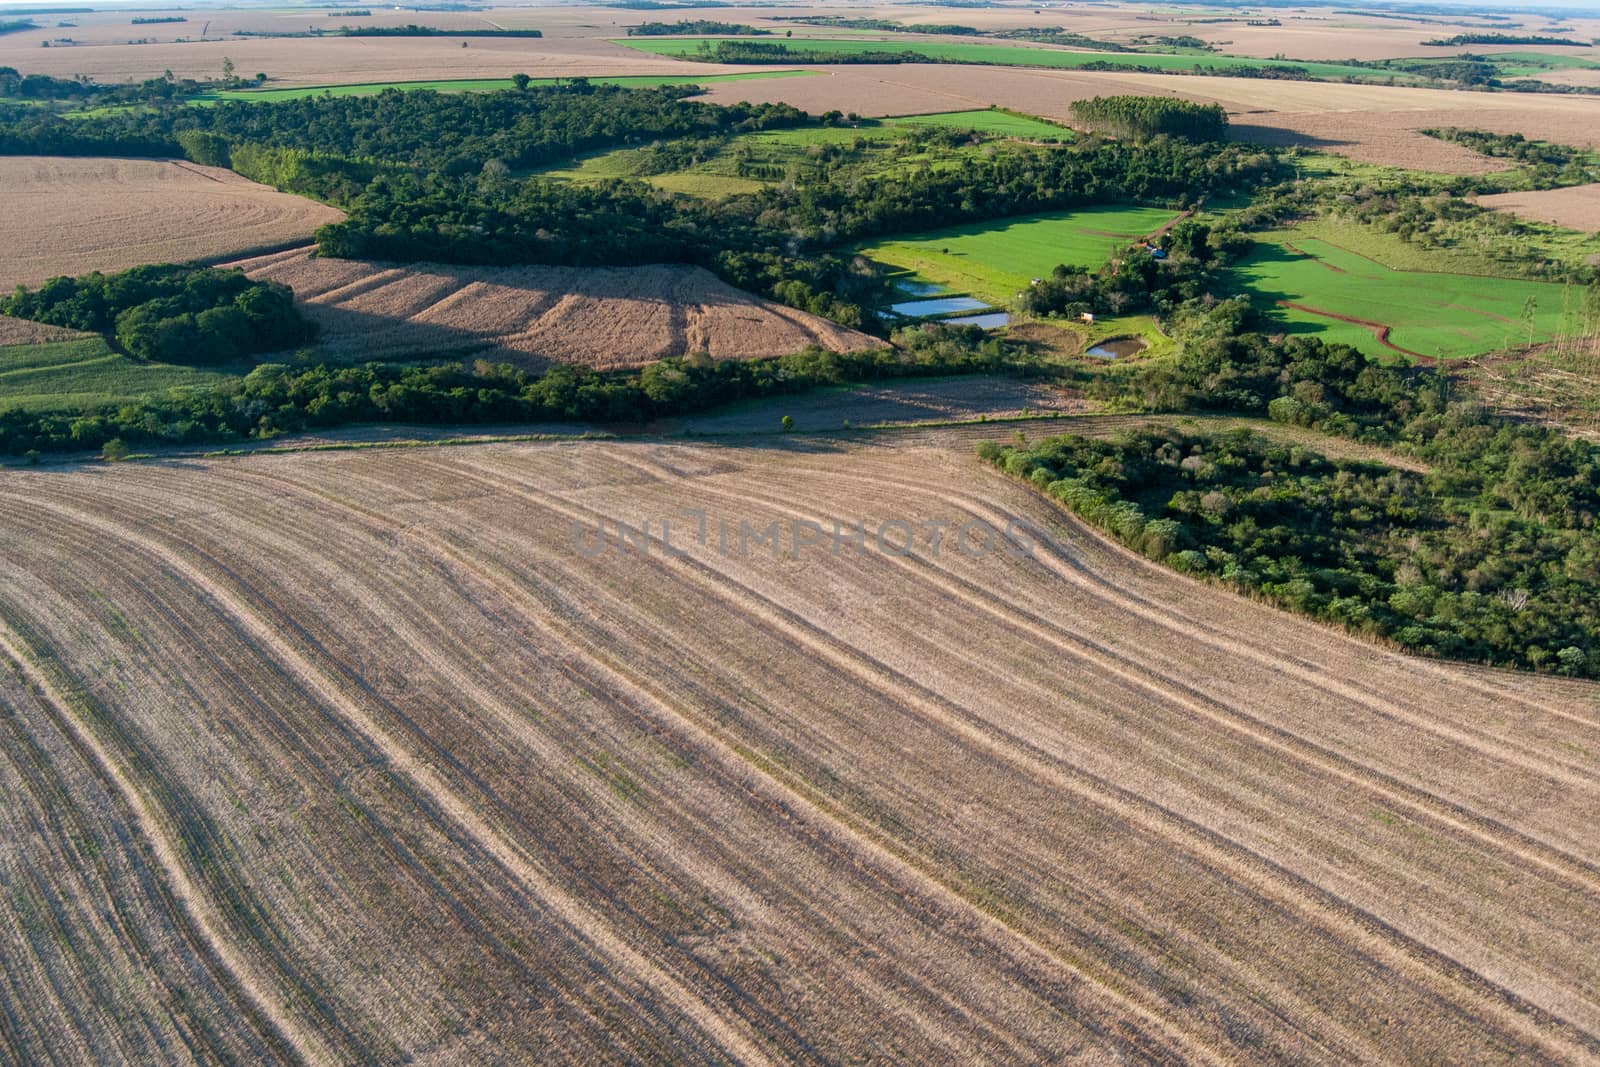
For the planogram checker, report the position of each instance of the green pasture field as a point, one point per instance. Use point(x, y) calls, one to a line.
point(996, 260)
point(474, 85)
point(1463, 248)
point(1429, 313)
point(1532, 64)
point(1017, 55)
point(85, 373)
point(990, 120)
point(720, 176)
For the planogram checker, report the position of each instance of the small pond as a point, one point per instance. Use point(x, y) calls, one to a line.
point(1117, 347)
point(988, 322)
point(918, 288)
point(916, 308)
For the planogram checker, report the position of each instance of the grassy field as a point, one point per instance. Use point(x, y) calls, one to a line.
point(473, 85)
point(1532, 64)
point(1473, 251)
point(995, 260)
point(1428, 313)
point(80, 374)
point(990, 120)
point(1019, 56)
point(723, 175)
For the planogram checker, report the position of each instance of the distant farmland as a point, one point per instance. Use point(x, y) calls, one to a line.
point(1312, 286)
point(1022, 56)
point(475, 85)
point(995, 260)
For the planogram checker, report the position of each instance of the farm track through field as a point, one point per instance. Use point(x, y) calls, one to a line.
point(1379, 330)
point(449, 788)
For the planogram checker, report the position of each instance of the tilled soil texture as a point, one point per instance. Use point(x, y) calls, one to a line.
point(1576, 207)
point(76, 215)
point(603, 317)
point(1369, 123)
point(23, 332)
point(358, 756)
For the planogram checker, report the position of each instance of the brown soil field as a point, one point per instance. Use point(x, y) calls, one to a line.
point(1370, 123)
point(22, 332)
point(611, 317)
point(336, 60)
point(354, 756)
point(71, 216)
point(1576, 207)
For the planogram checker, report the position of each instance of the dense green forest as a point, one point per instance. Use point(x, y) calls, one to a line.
point(170, 314)
point(1151, 116)
point(454, 133)
point(1462, 561)
point(1186, 266)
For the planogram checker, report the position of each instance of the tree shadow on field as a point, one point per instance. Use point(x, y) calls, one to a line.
point(530, 316)
point(1263, 133)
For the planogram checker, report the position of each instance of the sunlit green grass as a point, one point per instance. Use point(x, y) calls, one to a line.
point(996, 260)
point(1019, 55)
point(86, 373)
point(1431, 313)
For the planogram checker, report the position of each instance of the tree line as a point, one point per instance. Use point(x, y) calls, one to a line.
point(274, 398)
point(1431, 562)
point(696, 27)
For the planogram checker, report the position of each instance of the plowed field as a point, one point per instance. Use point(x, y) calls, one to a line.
point(72, 216)
point(356, 756)
point(610, 317)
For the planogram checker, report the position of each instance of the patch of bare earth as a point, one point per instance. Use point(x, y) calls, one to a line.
point(22, 332)
point(603, 317)
point(1576, 207)
point(358, 757)
point(75, 215)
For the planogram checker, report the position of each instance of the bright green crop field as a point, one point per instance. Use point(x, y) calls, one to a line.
point(1020, 56)
point(996, 260)
point(79, 374)
point(1000, 123)
point(1448, 316)
point(474, 85)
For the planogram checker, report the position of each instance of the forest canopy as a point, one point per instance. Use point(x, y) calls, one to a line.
point(1151, 116)
point(170, 313)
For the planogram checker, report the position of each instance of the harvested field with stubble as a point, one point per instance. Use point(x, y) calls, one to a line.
point(76, 215)
point(603, 317)
point(1369, 123)
point(1576, 207)
point(355, 756)
point(22, 332)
